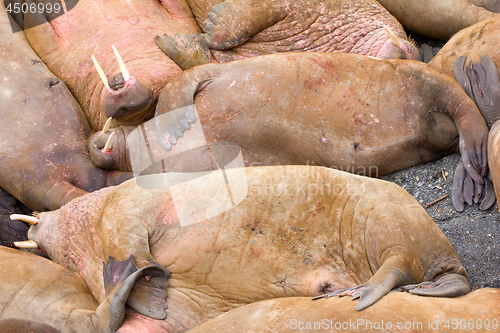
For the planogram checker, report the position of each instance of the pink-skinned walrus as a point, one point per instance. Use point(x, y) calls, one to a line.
point(234, 236)
point(67, 42)
point(237, 29)
point(37, 295)
point(478, 311)
point(345, 111)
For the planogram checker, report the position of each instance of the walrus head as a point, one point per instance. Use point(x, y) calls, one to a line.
point(126, 98)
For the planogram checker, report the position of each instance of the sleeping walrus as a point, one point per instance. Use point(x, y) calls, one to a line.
point(239, 235)
point(346, 111)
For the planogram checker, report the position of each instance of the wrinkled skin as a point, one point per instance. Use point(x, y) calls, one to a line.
point(36, 293)
point(66, 44)
point(289, 314)
point(348, 112)
point(45, 163)
point(237, 29)
point(441, 19)
point(285, 238)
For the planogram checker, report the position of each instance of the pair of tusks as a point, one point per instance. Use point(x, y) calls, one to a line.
point(105, 129)
point(28, 219)
point(123, 68)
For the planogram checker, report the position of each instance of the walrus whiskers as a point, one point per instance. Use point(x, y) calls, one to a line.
point(123, 68)
point(26, 245)
point(108, 145)
point(105, 129)
point(24, 218)
point(100, 72)
point(393, 36)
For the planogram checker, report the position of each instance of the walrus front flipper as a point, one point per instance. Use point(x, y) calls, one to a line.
point(394, 272)
point(233, 22)
point(449, 285)
point(175, 109)
point(186, 50)
point(120, 278)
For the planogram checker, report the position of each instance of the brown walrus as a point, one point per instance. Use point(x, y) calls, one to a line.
point(239, 235)
point(237, 29)
point(339, 110)
point(478, 311)
point(36, 293)
point(45, 163)
point(440, 19)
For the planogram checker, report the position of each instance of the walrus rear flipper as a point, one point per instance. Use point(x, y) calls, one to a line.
point(480, 81)
point(449, 285)
point(120, 279)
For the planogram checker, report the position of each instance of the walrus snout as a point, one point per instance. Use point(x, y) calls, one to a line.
point(108, 149)
point(126, 100)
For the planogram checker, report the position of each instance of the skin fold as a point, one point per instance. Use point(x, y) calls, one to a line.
point(343, 111)
point(294, 231)
point(45, 163)
point(66, 44)
point(418, 314)
point(440, 19)
point(238, 29)
point(37, 294)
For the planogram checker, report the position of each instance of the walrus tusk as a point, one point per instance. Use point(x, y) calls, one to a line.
point(393, 36)
point(107, 146)
point(105, 129)
point(24, 218)
point(374, 58)
point(101, 72)
point(123, 69)
point(27, 245)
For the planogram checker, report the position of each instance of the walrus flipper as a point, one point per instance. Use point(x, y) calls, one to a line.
point(186, 50)
point(449, 285)
point(480, 81)
point(121, 279)
point(395, 272)
point(175, 109)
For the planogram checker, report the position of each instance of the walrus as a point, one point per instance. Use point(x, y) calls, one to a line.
point(45, 162)
point(346, 111)
point(36, 293)
point(66, 45)
point(237, 29)
point(239, 235)
point(481, 39)
point(441, 19)
point(477, 311)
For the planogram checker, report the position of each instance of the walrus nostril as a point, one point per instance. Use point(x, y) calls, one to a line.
point(116, 82)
